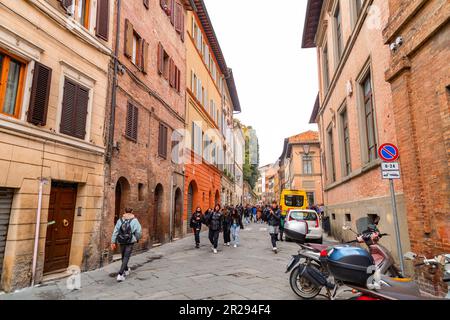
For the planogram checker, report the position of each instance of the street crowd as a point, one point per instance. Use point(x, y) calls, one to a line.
point(228, 220)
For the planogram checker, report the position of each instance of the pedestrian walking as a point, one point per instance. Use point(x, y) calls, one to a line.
point(247, 214)
point(236, 227)
point(273, 220)
point(126, 233)
point(254, 213)
point(197, 219)
point(214, 222)
point(226, 225)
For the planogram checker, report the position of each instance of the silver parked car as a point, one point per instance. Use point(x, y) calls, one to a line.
point(315, 231)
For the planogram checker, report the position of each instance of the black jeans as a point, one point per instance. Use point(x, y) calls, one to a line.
point(197, 236)
point(274, 238)
point(227, 235)
point(281, 232)
point(214, 237)
point(126, 250)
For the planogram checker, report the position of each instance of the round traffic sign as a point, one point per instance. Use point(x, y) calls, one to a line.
point(388, 152)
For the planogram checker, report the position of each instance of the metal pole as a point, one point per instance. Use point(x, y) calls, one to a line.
point(171, 209)
point(397, 226)
point(36, 233)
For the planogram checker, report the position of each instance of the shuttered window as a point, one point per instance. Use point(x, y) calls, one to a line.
point(162, 141)
point(146, 3)
point(40, 91)
point(102, 28)
point(74, 109)
point(172, 11)
point(160, 59)
point(131, 128)
point(128, 50)
point(12, 76)
point(6, 197)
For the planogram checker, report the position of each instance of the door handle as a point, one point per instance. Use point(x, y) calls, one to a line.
point(65, 223)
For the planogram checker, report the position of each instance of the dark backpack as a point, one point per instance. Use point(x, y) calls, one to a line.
point(125, 232)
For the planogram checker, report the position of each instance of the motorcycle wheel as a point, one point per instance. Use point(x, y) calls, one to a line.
point(303, 287)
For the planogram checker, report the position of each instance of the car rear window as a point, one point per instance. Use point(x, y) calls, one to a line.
point(294, 200)
point(302, 215)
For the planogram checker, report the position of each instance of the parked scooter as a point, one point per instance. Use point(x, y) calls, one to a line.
point(386, 288)
point(346, 263)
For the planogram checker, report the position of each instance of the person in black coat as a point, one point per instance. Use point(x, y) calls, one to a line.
point(273, 220)
point(215, 223)
point(226, 225)
point(197, 219)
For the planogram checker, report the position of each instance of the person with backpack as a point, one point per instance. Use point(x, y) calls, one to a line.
point(197, 219)
point(215, 222)
point(126, 233)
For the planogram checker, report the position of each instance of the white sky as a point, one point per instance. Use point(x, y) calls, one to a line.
point(276, 79)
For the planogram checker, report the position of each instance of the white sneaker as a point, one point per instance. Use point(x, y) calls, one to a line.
point(275, 250)
point(127, 272)
point(215, 251)
point(228, 244)
point(120, 278)
point(235, 246)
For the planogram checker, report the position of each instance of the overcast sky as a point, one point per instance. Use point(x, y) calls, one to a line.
point(276, 79)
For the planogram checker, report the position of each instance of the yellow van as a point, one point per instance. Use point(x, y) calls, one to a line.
point(293, 199)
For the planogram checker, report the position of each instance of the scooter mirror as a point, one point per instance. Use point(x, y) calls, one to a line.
point(410, 256)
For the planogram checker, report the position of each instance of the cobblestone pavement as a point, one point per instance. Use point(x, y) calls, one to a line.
point(178, 271)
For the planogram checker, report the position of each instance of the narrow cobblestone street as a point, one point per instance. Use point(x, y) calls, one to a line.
point(179, 271)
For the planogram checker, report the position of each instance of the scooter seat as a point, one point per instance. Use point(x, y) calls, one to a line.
point(402, 285)
point(318, 247)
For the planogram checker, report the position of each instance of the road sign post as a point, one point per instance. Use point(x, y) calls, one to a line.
point(391, 170)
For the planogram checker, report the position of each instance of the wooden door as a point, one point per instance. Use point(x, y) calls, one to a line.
point(61, 214)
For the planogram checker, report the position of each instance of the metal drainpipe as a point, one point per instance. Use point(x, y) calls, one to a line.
point(114, 85)
point(112, 122)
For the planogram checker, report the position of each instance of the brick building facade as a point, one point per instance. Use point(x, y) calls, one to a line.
point(52, 121)
point(354, 113)
point(419, 78)
point(148, 106)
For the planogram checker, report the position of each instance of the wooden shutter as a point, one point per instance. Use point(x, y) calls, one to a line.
point(80, 116)
point(178, 17)
point(164, 5)
point(171, 73)
point(179, 80)
point(160, 59)
point(172, 12)
point(102, 28)
point(40, 92)
point(146, 3)
point(68, 107)
point(74, 110)
point(128, 38)
point(162, 141)
point(131, 128)
point(145, 46)
point(182, 24)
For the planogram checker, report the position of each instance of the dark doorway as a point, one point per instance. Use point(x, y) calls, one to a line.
point(121, 198)
point(178, 212)
point(61, 215)
point(158, 227)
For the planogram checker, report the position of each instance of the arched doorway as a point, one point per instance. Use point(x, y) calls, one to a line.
point(178, 212)
point(191, 200)
point(122, 193)
point(158, 214)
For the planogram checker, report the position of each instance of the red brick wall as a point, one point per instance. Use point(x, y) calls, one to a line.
point(419, 76)
point(207, 181)
point(139, 162)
